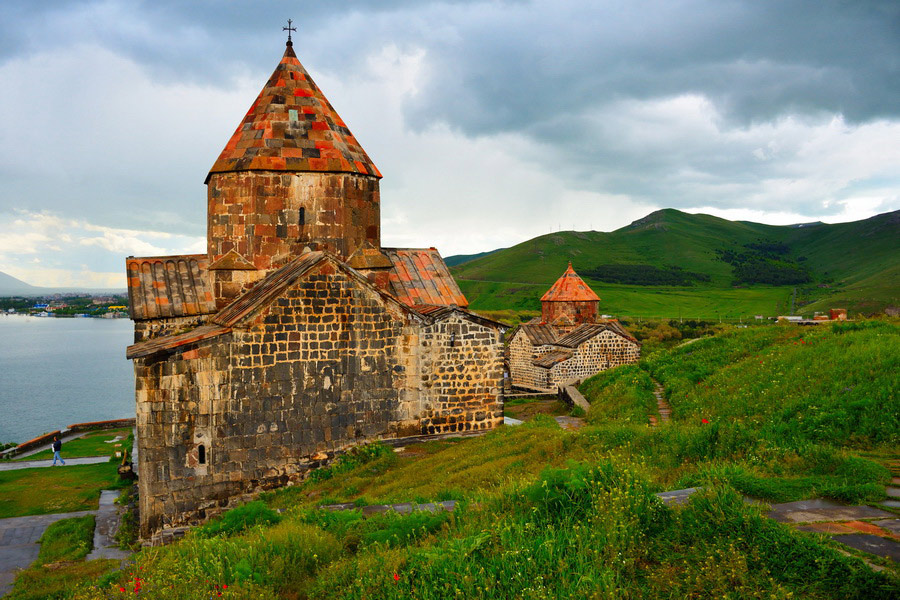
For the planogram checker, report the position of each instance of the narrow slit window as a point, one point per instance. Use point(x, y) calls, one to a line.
point(201, 454)
point(302, 218)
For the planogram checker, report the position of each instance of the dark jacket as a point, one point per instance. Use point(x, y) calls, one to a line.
point(57, 445)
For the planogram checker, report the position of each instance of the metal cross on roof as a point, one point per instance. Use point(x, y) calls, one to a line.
point(289, 29)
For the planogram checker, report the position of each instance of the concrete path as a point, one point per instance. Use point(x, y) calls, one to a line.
point(31, 464)
point(18, 543)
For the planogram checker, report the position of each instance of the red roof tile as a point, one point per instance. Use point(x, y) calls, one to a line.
point(570, 288)
point(169, 286)
point(292, 127)
point(420, 276)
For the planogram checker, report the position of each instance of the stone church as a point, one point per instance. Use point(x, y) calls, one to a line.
point(568, 343)
point(296, 335)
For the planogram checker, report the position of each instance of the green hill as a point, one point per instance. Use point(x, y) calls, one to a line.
point(672, 263)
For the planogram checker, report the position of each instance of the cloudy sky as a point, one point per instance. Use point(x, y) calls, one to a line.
point(492, 121)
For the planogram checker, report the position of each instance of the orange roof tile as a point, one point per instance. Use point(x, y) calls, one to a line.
point(292, 127)
point(169, 286)
point(570, 288)
point(420, 276)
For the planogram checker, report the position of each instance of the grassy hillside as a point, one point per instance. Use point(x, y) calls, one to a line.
point(857, 260)
point(546, 513)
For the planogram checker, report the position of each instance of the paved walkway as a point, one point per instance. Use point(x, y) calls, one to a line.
point(31, 464)
point(66, 437)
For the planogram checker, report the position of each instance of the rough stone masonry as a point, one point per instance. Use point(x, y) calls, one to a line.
point(297, 335)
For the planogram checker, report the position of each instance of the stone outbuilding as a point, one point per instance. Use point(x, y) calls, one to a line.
point(296, 335)
point(569, 342)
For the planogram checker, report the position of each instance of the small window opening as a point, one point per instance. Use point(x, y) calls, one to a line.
point(302, 217)
point(452, 340)
point(201, 454)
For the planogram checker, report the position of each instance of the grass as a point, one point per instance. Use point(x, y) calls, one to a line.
point(547, 513)
point(48, 490)
point(91, 444)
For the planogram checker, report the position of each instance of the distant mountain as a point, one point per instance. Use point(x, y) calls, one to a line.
point(458, 259)
point(10, 286)
point(846, 263)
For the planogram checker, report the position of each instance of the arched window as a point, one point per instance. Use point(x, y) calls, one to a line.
point(201, 454)
point(302, 218)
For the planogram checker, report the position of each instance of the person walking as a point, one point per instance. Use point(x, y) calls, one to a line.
point(56, 446)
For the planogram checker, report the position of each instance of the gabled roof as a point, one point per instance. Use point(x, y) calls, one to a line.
point(169, 286)
point(292, 127)
point(551, 358)
point(586, 331)
point(420, 276)
point(539, 334)
point(570, 288)
point(439, 313)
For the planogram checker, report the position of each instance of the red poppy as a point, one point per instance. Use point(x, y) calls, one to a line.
point(121, 589)
point(396, 577)
point(704, 421)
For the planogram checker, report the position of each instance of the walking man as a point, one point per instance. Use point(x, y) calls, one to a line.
point(57, 446)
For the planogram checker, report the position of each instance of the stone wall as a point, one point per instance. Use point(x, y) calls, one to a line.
point(603, 351)
point(268, 217)
point(461, 376)
point(577, 312)
point(522, 371)
point(329, 364)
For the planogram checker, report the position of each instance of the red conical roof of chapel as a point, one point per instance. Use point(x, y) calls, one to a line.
point(292, 127)
point(570, 288)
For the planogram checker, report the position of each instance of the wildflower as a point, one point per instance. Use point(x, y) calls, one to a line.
point(704, 420)
point(121, 589)
point(396, 578)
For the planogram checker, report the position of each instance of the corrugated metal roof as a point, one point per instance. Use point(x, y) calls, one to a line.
point(170, 342)
point(169, 286)
point(292, 127)
point(540, 333)
point(551, 358)
point(420, 276)
point(266, 289)
point(570, 288)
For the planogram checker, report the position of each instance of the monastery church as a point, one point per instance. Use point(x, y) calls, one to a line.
point(568, 343)
point(296, 335)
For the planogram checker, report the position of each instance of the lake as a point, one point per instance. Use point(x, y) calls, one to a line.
point(55, 372)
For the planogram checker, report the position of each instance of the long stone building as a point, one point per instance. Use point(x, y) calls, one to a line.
point(568, 342)
point(296, 335)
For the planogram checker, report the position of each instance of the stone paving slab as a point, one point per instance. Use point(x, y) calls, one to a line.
point(31, 464)
point(569, 423)
point(871, 544)
point(892, 525)
point(403, 508)
point(677, 497)
point(810, 511)
point(511, 421)
point(892, 492)
point(827, 528)
point(890, 503)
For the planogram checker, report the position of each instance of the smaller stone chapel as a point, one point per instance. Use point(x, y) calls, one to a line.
point(568, 343)
point(297, 334)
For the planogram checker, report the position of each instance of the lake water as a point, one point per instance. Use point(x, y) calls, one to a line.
point(55, 372)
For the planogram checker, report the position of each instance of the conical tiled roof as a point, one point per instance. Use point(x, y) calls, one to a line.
point(570, 288)
point(293, 127)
